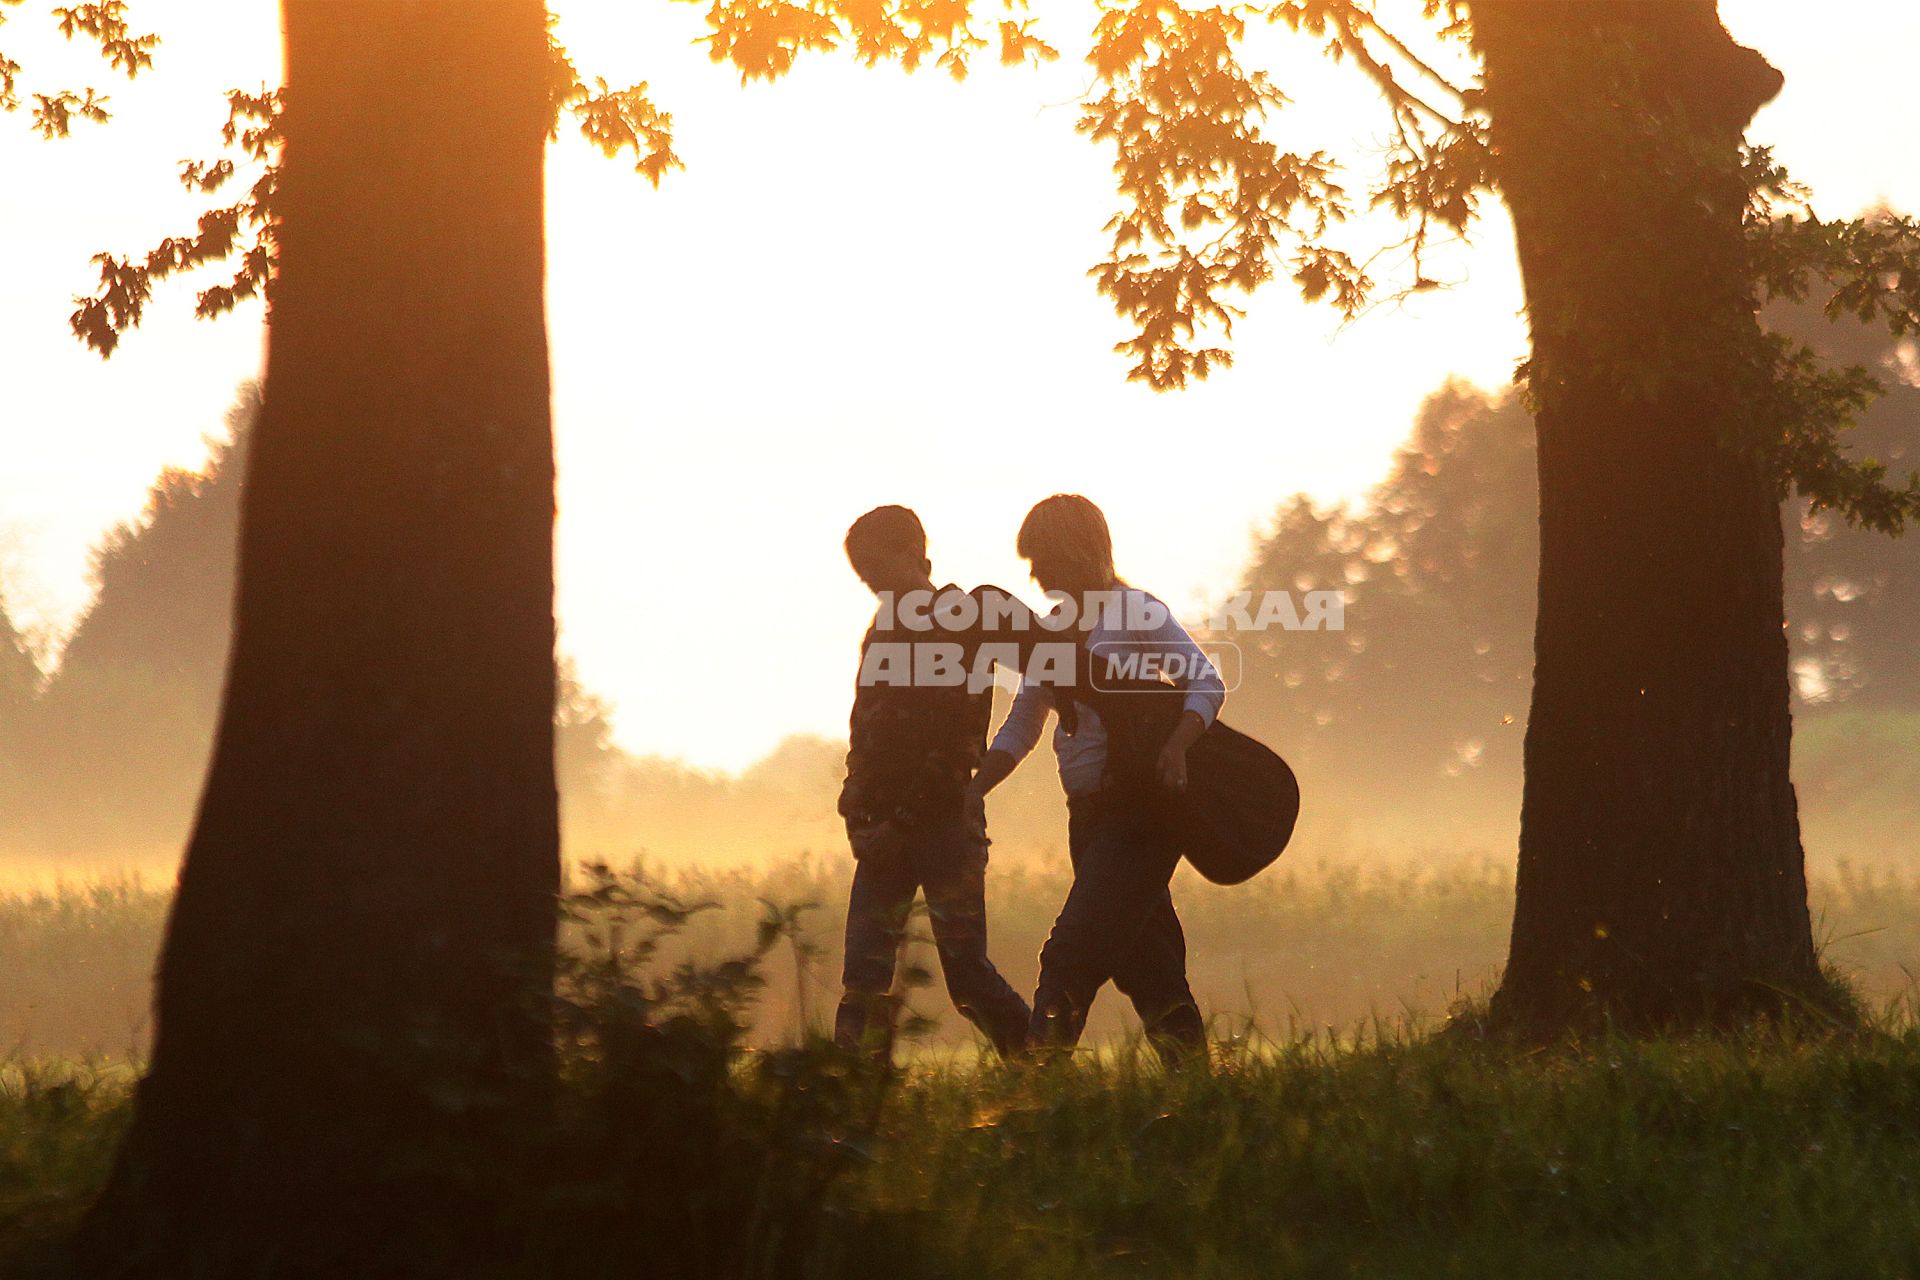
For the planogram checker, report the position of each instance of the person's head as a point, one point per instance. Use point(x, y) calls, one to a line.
point(887, 547)
point(1065, 540)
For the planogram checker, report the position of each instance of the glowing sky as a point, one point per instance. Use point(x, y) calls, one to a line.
point(866, 287)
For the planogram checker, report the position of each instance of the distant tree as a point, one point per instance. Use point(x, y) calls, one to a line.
point(174, 564)
point(1413, 715)
point(113, 751)
point(19, 681)
point(19, 673)
point(118, 738)
point(1424, 695)
point(368, 897)
point(1853, 600)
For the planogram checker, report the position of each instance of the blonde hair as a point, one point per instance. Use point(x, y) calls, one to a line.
point(1072, 528)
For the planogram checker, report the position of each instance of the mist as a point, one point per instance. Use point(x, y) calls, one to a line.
point(1406, 729)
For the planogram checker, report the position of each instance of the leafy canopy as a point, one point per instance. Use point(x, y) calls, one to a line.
point(105, 24)
point(241, 230)
point(1210, 207)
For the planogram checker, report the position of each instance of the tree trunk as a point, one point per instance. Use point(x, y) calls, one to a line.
point(352, 973)
point(1661, 879)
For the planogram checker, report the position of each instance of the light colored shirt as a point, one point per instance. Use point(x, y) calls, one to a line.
point(1082, 755)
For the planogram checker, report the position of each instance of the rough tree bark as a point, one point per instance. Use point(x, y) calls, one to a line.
point(1661, 879)
point(368, 894)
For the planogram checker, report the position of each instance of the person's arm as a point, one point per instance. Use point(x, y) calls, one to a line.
point(995, 768)
point(1173, 752)
point(866, 830)
point(1205, 691)
point(853, 804)
point(1019, 734)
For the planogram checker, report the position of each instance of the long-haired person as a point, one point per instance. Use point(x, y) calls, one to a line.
point(1118, 923)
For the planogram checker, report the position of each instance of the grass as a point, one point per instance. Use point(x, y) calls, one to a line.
point(1304, 947)
point(1375, 1152)
point(1764, 1157)
point(1757, 1156)
point(58, 1128)
point(78, 962)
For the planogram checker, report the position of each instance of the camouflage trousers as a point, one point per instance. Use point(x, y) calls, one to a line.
point(949, 864)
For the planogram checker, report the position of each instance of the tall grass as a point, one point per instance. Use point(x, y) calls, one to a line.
point(1306, 946)
point(1764, 1156)
point(676, 1149)
point(1758, 1157)
point(58, 1129)
point(76, 967)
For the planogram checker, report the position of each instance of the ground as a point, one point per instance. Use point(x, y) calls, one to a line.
point(1764, 1155)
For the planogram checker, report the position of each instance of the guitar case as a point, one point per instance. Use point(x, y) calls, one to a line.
point(1241, 802)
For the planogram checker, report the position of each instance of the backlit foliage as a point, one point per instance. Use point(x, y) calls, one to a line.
point(1210, 207)
point(1867, 268)
point(104, 24)
point(762, 38)
point(1209, 203)
point(614, 120)
point(244, 227)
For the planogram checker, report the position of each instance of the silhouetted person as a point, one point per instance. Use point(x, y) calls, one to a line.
point(1118, 922)
point(913, 747)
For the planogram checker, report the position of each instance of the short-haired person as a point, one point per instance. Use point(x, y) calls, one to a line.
point(1118, 923)
point(912, 750)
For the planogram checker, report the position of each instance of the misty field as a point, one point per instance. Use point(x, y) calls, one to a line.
point(1334, 1134)
point(1306, 947)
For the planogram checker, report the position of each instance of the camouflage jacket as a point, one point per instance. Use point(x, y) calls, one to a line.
point(912, 749)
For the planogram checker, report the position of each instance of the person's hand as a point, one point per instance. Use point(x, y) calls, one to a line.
point(974, 812)
point(1173, 765)
point(871, 838)
point(1173, 754)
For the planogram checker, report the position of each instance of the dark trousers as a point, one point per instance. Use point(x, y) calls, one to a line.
point(950, 864)
point(1118, 925)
